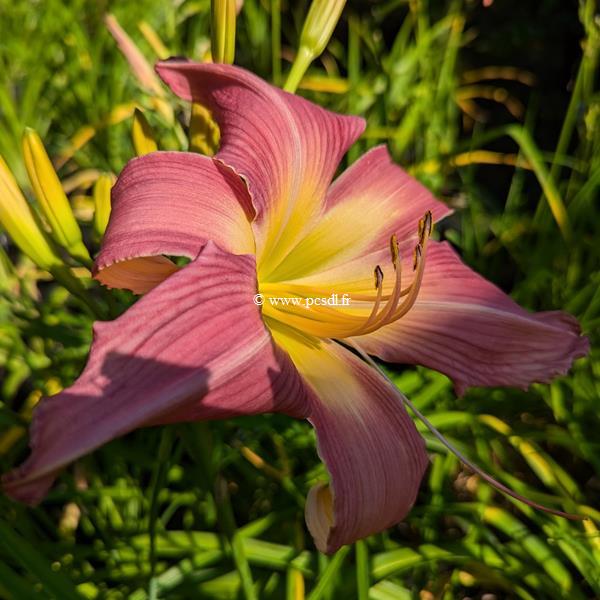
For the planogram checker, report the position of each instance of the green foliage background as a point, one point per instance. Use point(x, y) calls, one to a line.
point(216, 511)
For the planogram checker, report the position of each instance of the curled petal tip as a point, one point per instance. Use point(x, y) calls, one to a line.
point(159, 209)
point(372, 450)
point(319, 515)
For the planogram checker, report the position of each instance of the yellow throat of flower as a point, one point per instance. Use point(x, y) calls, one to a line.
point(294, 305)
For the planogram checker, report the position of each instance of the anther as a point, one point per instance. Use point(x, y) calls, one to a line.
point(378, 277)
point(418, 253)
point(425, 227)
point(394, 250)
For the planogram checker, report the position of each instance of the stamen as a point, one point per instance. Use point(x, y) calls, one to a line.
point(419, 268)
point(379, 287)
point(425, 229)
point(313, 290)
point(392, 304)
point(326, 321)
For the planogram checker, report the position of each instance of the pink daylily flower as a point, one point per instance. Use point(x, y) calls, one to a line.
point(262, 216)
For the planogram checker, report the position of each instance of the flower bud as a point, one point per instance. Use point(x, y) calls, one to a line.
point(19, 221)
point(204, 132)
point(102, 206)
point(51, 197)
point(223, 14)
point(320, 22)
point(141, 132)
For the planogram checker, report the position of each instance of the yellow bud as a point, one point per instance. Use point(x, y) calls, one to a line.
point(320, 22)
point(51, 197)
point(141, 132)
point(19, 221)
point(102, 203)
point(223, 14)
point(204, 132)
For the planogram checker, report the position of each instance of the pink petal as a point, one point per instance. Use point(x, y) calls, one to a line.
point(374, 454)
point(193, 348)
point(285, 147)
point(465, 327)
point(373, 199)
point(398, 199)
point(171, 203)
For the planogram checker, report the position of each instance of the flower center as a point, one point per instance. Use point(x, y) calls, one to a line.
point(320, 312)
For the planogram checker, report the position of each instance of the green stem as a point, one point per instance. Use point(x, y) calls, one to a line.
point(299, 68)
point(362, 570)
point(353, 74)
point(63, 275)
point(276, 41)
point(228, 524)
point(80, 253)
point(223, 24)
point(158, 480)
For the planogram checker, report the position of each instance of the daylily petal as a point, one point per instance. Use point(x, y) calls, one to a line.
point(396, 197)
point(465, 327)
point(194, 348)
point(171, 203)
point(373, 199)
point(285, 147)
point(374, 454)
